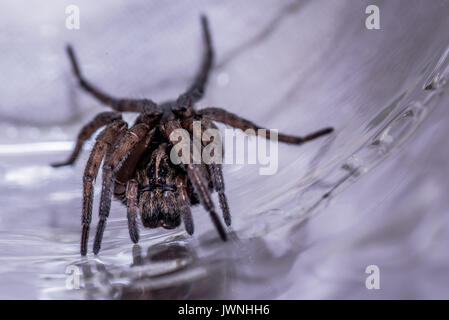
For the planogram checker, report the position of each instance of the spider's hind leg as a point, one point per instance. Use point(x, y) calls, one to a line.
point(131, 105)
point(196, 90)
point(235, 121)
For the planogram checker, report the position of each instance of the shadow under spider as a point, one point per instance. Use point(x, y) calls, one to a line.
point(173, 270)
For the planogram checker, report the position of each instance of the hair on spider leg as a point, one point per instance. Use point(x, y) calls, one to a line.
point(137, 169)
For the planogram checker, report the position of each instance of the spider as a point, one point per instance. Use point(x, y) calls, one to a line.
point(136, 166)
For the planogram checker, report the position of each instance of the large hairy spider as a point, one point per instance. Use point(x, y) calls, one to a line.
point(136, 166)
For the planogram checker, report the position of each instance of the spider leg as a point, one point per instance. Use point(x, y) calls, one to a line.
point(128, 167)
point(196, 90)
point(86, 132)
point(235, 121)
point(200, 187)
point(112, 164)
point(187, 124)
point(218, 181)
point(184, 203)
point(131, 203)
point(131, 105)
point(216, 174)
point(197, 179)
point(127, 170)
point(214, 170)
point(103, 143)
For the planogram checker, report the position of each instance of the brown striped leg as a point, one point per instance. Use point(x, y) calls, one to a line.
point(194, 173)
point(86, 132)
point(216, 174)
point(235, 121)
point(104, 140)
point(200, 187)
point(184, 203)
point(131, 203)
point(112, 164)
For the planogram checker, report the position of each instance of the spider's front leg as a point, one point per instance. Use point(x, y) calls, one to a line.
point(131, 203)
point(184, 203)
point(235, 121)
point(214, 169)
point(104, 141)
point(200, 187)
point(112, 164)
point(194, 174)
point(216, 173)
point(86, 132)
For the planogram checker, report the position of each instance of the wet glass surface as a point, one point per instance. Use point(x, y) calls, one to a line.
point(374, 192)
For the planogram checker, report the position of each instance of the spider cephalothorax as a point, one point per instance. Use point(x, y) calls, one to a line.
point(137, 168)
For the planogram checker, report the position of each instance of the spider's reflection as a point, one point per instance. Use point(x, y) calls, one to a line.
point(180, 270)
point(166, 271)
